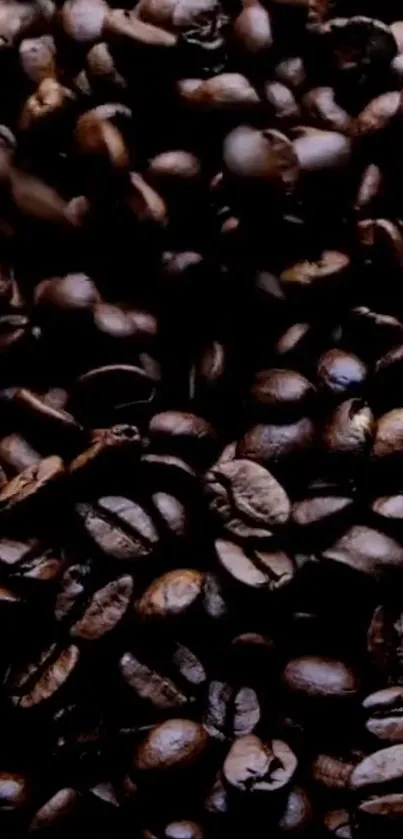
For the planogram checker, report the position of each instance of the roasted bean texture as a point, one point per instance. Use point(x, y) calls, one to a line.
point(201, 419)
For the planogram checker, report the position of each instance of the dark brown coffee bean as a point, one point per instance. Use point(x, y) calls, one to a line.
point(378, 114)
point(274, 444)
point(325, 274)
point(281, 393)
point(174, 744)
point(319, 152)
point(42, 680)
point(296, 820)
point(384, 714)
point(247, 499)
point(31, 486)
point(270, 570)
point(105, 610)
point(149, 685)
point(119, 527)
point(366, 550)
point(331, 772)
point(172, 595)
point(348, 431)
point(341, 373)
point(110, 448)
point(252, 29)
point(317, 677)
point(111, 394)
point(377, 769)
point(183, 434)
point(321, 108)
point(281, 99)
point(261, 156)
point(254, 767)
point(56, 812)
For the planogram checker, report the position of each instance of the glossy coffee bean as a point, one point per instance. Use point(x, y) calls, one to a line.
point(253, 767)
point(175, 744)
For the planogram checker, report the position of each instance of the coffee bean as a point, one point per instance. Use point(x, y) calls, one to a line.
point(247, 499)
point(298, 814)
point(105, 610)
point(174, 744)
point(348, 431)
point(377, 769)
point(341, 373)
point(15, 791)
point(119, 527)
point(384, 714)
point(56, 812)
point(367, 551)
point(172, 595)
point(317, 677)
point(283, 393)
point(274, 444)
point(41, 680)
point(255, 568)
point(255, 767)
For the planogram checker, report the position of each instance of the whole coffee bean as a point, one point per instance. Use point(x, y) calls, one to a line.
point(231, 713)
point(383, 709)
point(261, 156)
point(331, 772)
point(174, 744)
point(172, 595)
point(183, 434)
point(246, 499)
point(328, 272)
point(256, 568)
point(321, 108)
point(281, 393)
point(296, 820)
point(281, 99)
point(367, 551)
point(317, 677)
point(378, 114)
point(111, 394)
point(105, 610)
point(252, 29)
point(119, 527)
point(56, 812)
point(254, 767)
point(320, 151)
point(275, 444)
point(377, 769)
point(348, 431)
point(41, 680)
point(31, 487)
point(341, 373)
point(150, 685)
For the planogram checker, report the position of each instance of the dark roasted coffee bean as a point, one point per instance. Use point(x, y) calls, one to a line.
point(384, 714)
point(317, 677)
point(254, 767)
point(247, 499)
point(15, 791)
point(174, 744)
point(275, 444)
point(337, 823)
point(56, 812)
point(296, 819)
point(31, 488)
point(43, 679)
point(348, 431)
point(182, 434)
point(257, 568)
point(173, 595)
point(367, 551)
point(281, 393)
point(340, 373)
point(119, 527)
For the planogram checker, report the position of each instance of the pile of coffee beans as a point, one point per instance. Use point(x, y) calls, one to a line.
point(201, 419)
